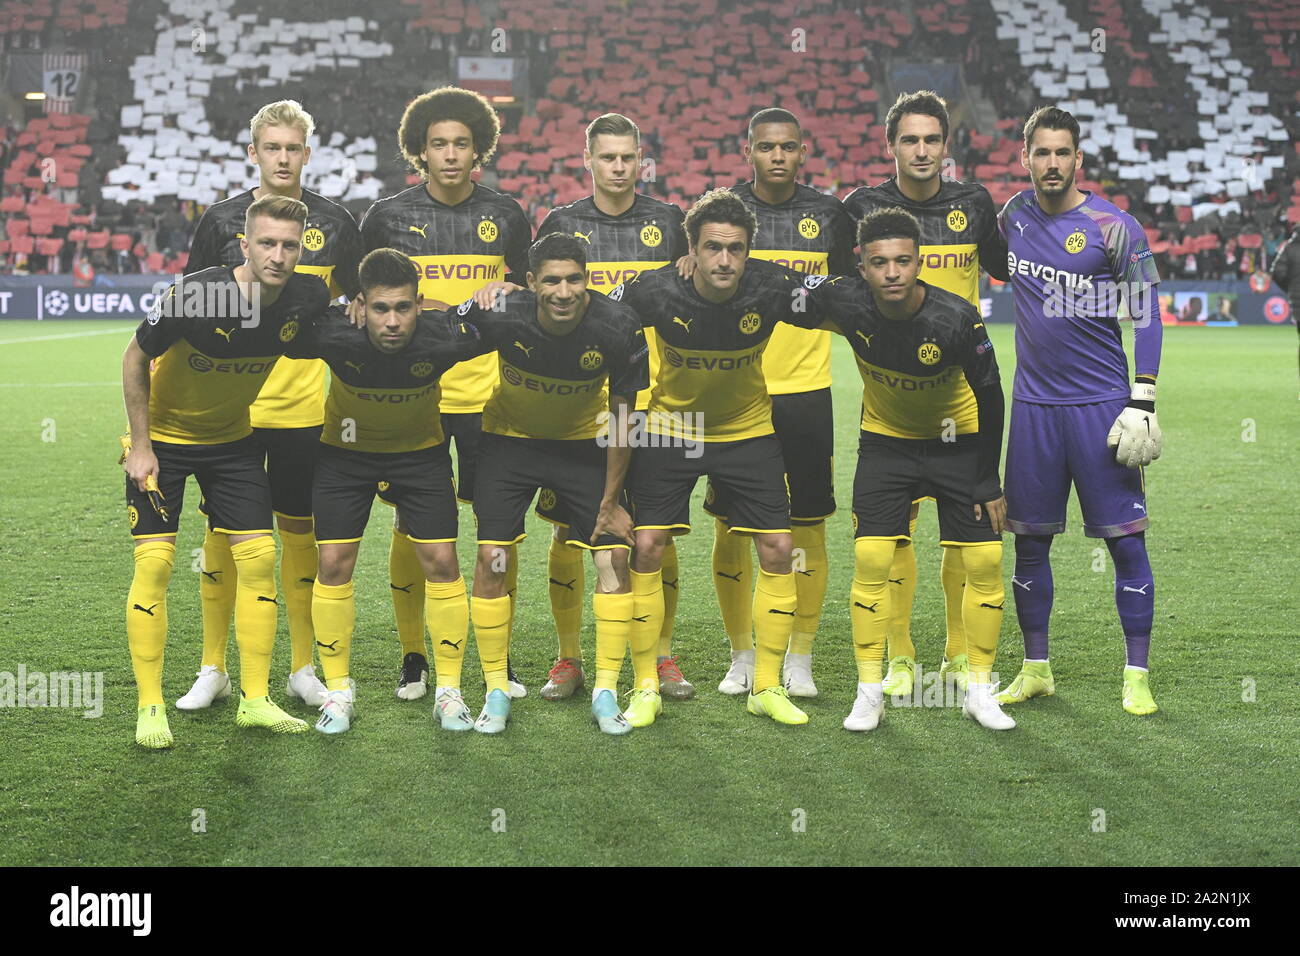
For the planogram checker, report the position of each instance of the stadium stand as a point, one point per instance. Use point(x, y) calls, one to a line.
point(1192, 127)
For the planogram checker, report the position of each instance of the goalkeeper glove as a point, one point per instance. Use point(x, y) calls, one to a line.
point(1135, 436)
point(156, 500)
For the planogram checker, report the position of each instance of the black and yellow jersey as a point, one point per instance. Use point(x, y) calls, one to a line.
point(458, 250)
point(917, 373)
point(649, 235)
point(959, 232)
point(711, 354)
point(381, 401)
point(558, 386)
point(294, 395)
point(810, 234)
point(212, 352)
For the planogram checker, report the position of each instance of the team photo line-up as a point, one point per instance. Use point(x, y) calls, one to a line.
point(602, 368)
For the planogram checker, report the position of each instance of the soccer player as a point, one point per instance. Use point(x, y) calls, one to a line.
point(806, 232)
point(461, 236)
point(931, 422)
point(1286, 272)
point(213, 339)
point(1076, 260)
point(560, 350)
point(958, 235)
point(382, 425)
point(710, 415)
point(289, 410)
point(623, 233)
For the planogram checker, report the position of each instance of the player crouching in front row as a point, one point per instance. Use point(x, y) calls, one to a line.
point(382, 425)
point(931, 425)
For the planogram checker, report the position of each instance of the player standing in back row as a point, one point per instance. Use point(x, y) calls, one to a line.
point(1075, 261)
point(623, 233)
point(809, 233)
point(461, 236)
point(958, 235)
point(290, 409)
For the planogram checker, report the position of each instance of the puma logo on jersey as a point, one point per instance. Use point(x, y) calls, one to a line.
point(419, 229)
point(224, 333)
point(527, 350)
point(355, 366)
point(684, 323)
point(1022, 227)
point(865, 338)
point(585, 237)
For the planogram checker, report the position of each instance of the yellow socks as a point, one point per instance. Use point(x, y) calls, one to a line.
point(671, 575)
point(733, 580)
point(810, 569)
point(902, 589)
point(406, 580)
point(298, 562)
point(334, 610)
point(613, 631)
point(564, 567)
point(953, 574)
point(217, 593)
point(869, 603)
point(447, 611)
point(256, 613)
point(492, 635)
point(775, 599)
point(647, 620)
point(146, 617)
point(982, 607)
point(512, 581)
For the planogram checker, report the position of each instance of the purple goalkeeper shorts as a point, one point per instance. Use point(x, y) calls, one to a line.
point(1052, 445)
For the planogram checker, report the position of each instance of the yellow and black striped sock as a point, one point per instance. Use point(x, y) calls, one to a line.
point(334, 609)
point(256, 613)
point(775, 598)
point(902, 590)
point(565, 569)
point(613, 631)
point(217, 585)
point(870, 598)
point(647, 619)
point(982, 607)
point(491, 618)
point(406, 581)
point(810, 572)
point(447, 611)
point(298, 562)
point(146, 617)
point(671, 575)
point(733, 581)
point(952, 572)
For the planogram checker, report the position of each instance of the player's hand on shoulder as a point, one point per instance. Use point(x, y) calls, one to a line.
point(357, 312)
point(487, 297)
point(686, 266)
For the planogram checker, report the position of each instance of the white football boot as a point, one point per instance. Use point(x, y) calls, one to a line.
point(740, 676)
point(981, 707)
point(306, 686)
point(868, 708)
point(211, 684)
point(798, 675)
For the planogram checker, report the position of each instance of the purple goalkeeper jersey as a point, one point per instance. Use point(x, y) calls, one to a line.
point(1069, 274)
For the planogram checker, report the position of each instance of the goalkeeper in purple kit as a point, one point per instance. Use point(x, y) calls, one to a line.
point(1076, 262)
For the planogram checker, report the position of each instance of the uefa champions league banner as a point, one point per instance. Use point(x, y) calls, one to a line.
point(61, 297)
point(1257, 302)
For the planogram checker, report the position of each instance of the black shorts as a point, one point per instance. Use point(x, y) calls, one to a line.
point(237, 496)
point(464, 428)
point(419, 484)
point(805, 426)
point(894, 472)
point(569, 474)
point(289, 456)
point(751, 471)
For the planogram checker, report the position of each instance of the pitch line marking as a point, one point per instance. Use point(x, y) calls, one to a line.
point(69, 335)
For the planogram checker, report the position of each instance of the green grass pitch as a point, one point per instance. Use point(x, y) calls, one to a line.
point(1209, 780)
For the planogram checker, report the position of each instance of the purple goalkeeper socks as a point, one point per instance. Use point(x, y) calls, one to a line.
point(1135, 596)
point(1032, 586)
